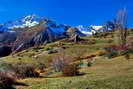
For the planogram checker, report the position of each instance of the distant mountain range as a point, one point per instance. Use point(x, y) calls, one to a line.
point(33, 20)
point(32, 31)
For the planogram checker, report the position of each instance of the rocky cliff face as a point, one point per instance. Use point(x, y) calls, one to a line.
point(42, 34)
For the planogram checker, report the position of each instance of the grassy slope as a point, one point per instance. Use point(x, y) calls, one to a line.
point(104, 74)
point(116, 73)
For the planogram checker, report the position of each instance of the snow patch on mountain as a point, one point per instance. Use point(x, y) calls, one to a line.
point(90, 30)
point(84, 30)
point(27, 21)
point(96, 28)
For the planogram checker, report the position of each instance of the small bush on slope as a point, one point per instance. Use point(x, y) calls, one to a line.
point(6, 67)
point(65, 65)
point(59, 62)
point(116, 50)
point(25, 70)
point(111, 51)
point(70, 70)
point(6, 81)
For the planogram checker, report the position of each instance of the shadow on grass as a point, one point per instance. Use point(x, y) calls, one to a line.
point(12, 85)
point(81, 74)
point(20, 84)
point(17, 84)
point(61, 76)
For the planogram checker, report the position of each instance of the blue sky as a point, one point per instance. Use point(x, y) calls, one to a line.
point(73, 12)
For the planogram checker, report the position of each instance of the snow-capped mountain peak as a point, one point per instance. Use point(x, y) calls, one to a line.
point(29, 18)
point(27, 21)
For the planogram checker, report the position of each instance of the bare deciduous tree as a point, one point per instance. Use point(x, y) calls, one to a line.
point(122, 26)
